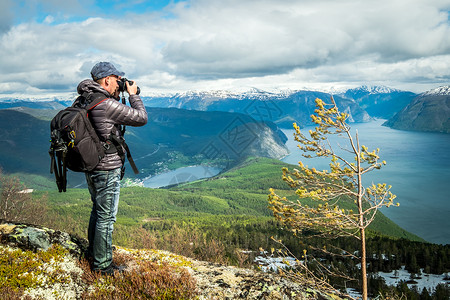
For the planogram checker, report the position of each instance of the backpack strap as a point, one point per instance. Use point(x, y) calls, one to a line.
point(89, 100)
point(94, 99)
point(120, 144)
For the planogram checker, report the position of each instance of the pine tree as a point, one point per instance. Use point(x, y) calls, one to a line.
point(324, 195)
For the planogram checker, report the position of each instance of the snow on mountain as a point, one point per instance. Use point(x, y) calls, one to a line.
point(38, 98)
point(216, 95)
point(253, 93)
point(376, 89)
point(442, 90)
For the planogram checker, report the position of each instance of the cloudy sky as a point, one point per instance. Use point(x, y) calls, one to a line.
point(47, 47)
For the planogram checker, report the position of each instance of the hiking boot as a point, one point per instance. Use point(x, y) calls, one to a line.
point(87, 255)
point(111, 269)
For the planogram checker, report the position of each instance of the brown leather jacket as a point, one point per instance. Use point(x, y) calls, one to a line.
point(108, 114)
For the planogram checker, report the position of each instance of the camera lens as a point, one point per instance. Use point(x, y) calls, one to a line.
point(123, 87)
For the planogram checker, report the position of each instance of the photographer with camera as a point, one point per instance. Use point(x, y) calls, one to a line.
point(107, 118)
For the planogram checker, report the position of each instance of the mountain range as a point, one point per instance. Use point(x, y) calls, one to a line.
point(429, 111)
point(380, 102)
point(284, 108)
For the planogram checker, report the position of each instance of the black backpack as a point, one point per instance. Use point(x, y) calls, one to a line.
point(76, 146)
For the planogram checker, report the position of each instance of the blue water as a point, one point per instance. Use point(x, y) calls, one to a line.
point(418, 168)
point(180, 175)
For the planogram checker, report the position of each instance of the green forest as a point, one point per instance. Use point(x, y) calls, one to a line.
point(226, 219)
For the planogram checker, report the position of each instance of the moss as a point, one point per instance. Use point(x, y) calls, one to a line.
point(21, 269)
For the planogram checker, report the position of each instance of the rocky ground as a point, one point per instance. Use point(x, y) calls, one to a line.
point(212, 281)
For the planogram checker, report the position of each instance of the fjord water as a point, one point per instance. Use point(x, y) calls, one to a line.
point(180, 175)
point(418, 168)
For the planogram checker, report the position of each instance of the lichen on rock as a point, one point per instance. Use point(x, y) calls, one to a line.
point(33, 237)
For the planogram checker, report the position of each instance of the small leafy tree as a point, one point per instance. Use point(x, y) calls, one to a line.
point(330, 213)
point(17, 204)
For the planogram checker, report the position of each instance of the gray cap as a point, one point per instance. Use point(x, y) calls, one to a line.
point(104, 69)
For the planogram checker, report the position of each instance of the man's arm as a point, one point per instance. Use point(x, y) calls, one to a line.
point(118, 113)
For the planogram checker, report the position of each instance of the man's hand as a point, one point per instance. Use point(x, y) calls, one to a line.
point(131, 89)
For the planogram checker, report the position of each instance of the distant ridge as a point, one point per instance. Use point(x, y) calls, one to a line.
point(430, 111)
point(282, 107)
point(380, 101)
point(443, 90)
point(375, 89)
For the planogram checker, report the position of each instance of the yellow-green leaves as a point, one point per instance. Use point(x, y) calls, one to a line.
point(326, 188)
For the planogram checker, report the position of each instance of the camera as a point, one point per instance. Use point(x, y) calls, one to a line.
point(123, 86)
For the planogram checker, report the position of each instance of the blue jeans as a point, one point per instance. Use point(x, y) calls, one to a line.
point(104, 187)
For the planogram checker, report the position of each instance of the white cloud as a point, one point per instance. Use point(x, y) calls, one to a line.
point(205, 43)
point(272, 37)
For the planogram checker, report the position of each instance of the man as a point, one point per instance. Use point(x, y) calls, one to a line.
point(104, 181)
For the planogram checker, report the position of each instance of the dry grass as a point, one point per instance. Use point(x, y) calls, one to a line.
point(189, 242)
point(143, 279)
